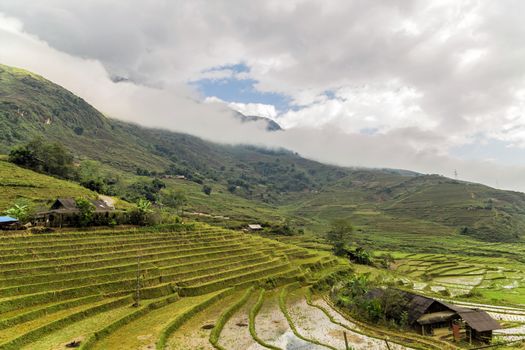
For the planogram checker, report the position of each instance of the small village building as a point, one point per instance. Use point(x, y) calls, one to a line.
point(255, 227)
point(70, 205)
point(64, 212)
point(7, 222)
point(479, 325)
point(426, 315)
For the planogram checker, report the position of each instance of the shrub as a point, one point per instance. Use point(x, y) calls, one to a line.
point(206, 189)
point(142, 215)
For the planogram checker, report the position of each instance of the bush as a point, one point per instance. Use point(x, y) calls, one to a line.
point(206, 189)
point(143, 214)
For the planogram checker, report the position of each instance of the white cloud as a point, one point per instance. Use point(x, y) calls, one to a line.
point(385, 83)
point(248, 109)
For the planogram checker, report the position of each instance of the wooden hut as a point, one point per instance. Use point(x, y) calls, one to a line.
point(427, 314)
point(64, 212)
point(70, 205)
point(479, 325)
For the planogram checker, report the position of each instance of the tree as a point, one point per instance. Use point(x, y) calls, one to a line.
point(44, 157)
point(393, 304)
point(206, 189)
point(144, 206)
point(91, 175)
point(362, 256)
point(339, 235)
point(174, 199)
point(145, 189)
point(86, 209)
point(19, 210)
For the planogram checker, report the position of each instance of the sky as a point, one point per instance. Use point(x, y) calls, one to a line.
point(430, 86)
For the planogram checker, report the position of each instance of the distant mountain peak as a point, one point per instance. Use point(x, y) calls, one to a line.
point(271, 125)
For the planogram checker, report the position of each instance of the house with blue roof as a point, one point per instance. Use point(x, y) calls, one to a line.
point(6, 221)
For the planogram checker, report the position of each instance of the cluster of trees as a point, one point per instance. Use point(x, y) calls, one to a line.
point(387, 307)
point(284, 177)
point(186, 172)
point(45, 157)
point(145, 188)
point(339, 238)
point(90, 175)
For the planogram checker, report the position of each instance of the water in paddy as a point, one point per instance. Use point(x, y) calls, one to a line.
point(289, 341)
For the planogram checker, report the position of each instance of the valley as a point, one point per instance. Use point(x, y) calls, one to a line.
point(197, 278)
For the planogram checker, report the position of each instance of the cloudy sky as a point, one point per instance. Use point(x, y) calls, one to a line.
point(431, 86)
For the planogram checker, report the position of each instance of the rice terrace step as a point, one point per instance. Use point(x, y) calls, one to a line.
point(81, 286)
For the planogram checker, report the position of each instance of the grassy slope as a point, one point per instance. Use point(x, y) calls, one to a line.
point(18, 182)
point(273, 184)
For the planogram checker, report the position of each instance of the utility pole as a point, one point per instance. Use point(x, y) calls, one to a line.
point(137, 291)
point(455, 174)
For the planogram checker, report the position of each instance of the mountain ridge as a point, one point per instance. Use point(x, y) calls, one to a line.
point(31, 106)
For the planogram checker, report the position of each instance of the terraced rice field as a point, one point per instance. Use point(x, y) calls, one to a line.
point(200, 287)
point(59, 288)
point(461, 275)
point(276, 319)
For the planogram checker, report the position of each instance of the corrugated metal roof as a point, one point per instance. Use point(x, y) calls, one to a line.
point(477, 319)
point(7, 219)
point(65, 205)
point(418, 305)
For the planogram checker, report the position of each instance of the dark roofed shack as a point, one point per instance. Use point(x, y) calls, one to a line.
point(64, 212)
point(426, 314)
point(69, 204)
point(479, 324)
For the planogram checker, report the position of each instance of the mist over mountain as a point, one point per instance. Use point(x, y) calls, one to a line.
point(32, 106)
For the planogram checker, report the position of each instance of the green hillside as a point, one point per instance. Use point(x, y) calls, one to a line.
point(196, 285)
point(253, 184)
point(19, 183)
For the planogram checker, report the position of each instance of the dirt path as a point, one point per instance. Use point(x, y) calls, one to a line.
point(109, 200)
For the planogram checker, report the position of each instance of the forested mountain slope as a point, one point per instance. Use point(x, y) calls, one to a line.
point(278, 180)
